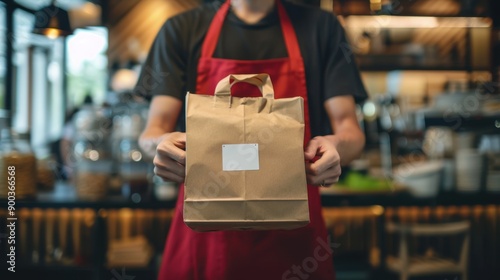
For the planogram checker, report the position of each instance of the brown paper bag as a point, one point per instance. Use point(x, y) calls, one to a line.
point(245, 160)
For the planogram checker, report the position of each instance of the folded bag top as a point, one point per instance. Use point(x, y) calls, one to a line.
point(262, 81)
point(245, 165)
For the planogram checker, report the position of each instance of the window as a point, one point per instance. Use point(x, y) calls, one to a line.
point(38, 83)
point(40, 71)
point(2, 54)
point(21, 70)
point(87, 65)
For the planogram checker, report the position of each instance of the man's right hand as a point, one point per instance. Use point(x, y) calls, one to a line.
point(170, 158)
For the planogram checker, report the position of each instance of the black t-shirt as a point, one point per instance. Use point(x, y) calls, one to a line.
point(171, 66)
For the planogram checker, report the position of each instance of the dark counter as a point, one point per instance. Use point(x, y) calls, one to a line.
point(64, 196)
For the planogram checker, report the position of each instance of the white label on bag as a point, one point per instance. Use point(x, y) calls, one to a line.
point(239, 157)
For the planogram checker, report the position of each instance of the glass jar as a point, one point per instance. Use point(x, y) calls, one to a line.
point(45, 174)
point(92, 176)
point(17, 165)
point(92, 153)
point(133, 170)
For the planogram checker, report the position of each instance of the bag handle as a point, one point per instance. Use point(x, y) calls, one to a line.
point(262, 81)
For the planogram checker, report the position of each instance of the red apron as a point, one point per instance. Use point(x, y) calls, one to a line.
point(303, 253)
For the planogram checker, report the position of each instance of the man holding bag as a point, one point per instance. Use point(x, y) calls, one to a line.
point(305, 53)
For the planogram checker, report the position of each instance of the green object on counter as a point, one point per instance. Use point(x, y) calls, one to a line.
point(358, 181)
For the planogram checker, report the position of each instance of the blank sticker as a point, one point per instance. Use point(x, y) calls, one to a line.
point(239, 157)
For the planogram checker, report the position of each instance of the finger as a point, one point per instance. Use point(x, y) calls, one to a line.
point(311, 149)
point(168, 176)
point(169, 165)
point(330, 176)
point(309, 170)
point(330, 182)
point(181, 140)
point(326, 161)
point(178, 139)
point(169, 150)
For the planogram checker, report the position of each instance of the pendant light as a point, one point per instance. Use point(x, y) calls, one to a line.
point(52, 21)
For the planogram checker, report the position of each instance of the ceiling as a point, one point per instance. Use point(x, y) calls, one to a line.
point(37, 4)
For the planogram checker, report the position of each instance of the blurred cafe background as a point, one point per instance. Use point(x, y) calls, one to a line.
point(422, 202)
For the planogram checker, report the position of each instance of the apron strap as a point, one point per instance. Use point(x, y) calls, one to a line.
point(289, 35)
point(212, 36)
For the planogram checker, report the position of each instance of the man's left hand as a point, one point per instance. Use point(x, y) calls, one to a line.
point(325, 170)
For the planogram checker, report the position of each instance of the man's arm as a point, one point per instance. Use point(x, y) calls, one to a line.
point(338, 149)
point(159, 141)
point(347, 137)
point(162, 118)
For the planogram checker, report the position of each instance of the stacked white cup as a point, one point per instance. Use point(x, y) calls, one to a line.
point(469, 170)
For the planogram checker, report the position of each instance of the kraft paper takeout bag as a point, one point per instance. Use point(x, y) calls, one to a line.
point(245, 159)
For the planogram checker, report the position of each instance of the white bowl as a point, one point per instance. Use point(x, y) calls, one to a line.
point(422, 178)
